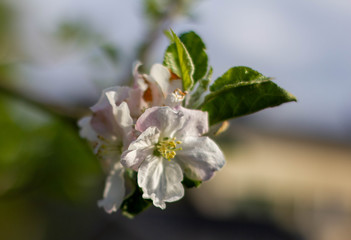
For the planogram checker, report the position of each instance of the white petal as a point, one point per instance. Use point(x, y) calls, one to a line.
point(103, 119)
point(162, 76)
point(86, 131)
point(114, 122)
point(153, 94)
point(139, 149)
point(123, 125)
point(160, 180)
point(121, 94)
point(121, 114)
point(165, 119)
point(136, 73)
point(114, 190)
point(200, 157)
point(135, 102)
point(195, 123)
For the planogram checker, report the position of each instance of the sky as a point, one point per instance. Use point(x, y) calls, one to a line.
point(303, 45)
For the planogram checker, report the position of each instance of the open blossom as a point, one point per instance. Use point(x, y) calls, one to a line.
point(110, 129)
point(170, 145)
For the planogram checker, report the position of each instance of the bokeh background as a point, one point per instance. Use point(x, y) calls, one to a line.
point(288, 171)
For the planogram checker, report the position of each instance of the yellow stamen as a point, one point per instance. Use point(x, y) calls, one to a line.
point(167, 148)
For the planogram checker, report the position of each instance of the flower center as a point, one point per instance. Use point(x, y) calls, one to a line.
point(167, 148)
point(109, 146)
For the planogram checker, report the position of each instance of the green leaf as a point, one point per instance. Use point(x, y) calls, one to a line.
point(196, 49)
point(237, 75)
point(189, 183)
point(178, 59)
point(135, 204)
point(241, 91)
point(197, 96)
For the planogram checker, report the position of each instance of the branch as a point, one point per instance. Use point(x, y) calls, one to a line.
point(155, 31)
point(65, 114)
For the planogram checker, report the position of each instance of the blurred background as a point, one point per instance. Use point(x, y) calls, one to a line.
point(288, 168)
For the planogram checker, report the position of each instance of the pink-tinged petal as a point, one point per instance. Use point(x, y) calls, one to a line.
point(160, 180)
point(103, 123)
point(103, 119)
point(114, 122)
point(195, 123)
point(162, 76)
point(139, 149)
point(200, 157)
point(114, 190)
point(153, 94)
point(86, 131)
point(139, 79)
point(135, 102)
point(136, 74)
point(121, 94)
point(165, 119)
point(156, 94)
point(122, 115)
point(123, 127)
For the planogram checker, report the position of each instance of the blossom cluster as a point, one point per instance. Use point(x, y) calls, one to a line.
point(146, 129)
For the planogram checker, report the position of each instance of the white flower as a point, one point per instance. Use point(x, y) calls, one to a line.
point(171, 143)
point(110, 128)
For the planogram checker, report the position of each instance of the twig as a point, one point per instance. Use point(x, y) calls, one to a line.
point(67, 115)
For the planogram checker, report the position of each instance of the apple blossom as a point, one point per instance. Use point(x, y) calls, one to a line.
point(110, 129)
point(170, 146)
point(145, 127)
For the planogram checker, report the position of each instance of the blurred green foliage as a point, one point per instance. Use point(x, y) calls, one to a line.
point(84, 36)
point(41, 153)
point(157, 10)
point(6, 17)
point(9, 47)
point(78, 31)
point(42, 161)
